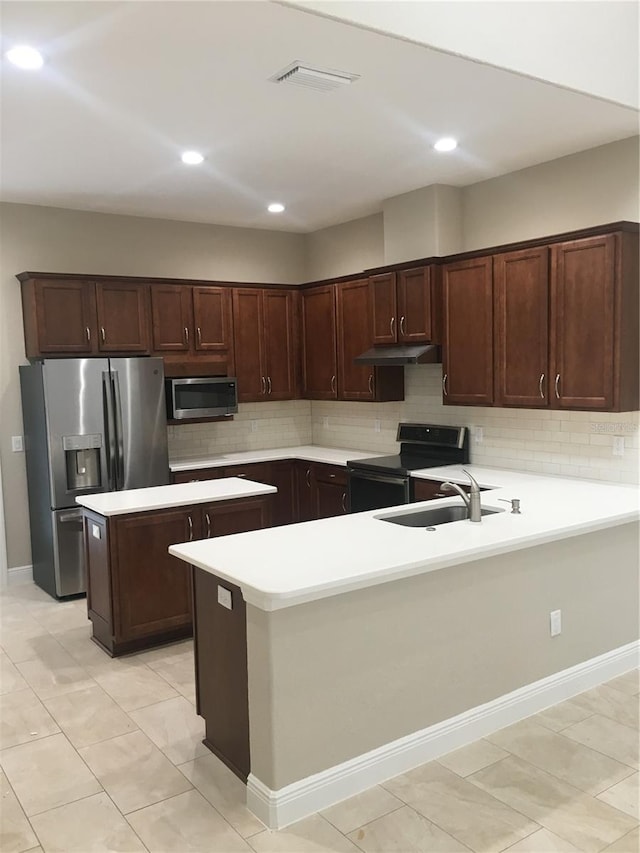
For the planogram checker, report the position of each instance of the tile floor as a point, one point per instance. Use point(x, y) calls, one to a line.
point(101, 754)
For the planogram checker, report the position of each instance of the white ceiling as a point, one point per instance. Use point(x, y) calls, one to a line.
point(127, 86)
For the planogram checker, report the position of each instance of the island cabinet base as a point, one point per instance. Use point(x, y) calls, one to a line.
point(220, 648)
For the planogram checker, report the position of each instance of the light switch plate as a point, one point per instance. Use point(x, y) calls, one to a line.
point(224, 597)
point(17, 445)
point(555, 622)
point(95, 531)
point(618, 445)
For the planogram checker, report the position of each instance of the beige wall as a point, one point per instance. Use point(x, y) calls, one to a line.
point(590, 188)
point(423, 223)
point(347, 248)
point(53, 240)
point(333, 679)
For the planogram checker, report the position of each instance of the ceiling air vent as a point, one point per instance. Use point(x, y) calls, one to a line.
point(320, 79)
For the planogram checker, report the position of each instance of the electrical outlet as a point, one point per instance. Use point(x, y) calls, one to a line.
point(17, 445)
point(254, 426)
point(555, 622)
point(618, 445)
point(325, 422)
point(376, 425)
point(478, 433)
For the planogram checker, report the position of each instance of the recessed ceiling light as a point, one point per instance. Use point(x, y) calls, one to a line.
point(25, 57)
point(192, 158)
point(447, 143)
point(275, 207)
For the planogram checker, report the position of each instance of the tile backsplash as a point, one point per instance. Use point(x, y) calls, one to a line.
point(256, 426)
point(576, 444)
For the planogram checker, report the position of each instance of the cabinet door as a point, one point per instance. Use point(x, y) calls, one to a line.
point(305, 491)
point(415, 323)
point(319, 343)
point(384, 308)
point(171, 316)
point(65, 317)
point(122, 317)
point(283, 477)
point(152, 590)
point(248, 336)
point(467, 358)
point(330, 491)
point(355, 381)
point(428, 490)
point(582, 317)
point(237, 516)
point(279, 344)
point(521, 301)
point(212, 318)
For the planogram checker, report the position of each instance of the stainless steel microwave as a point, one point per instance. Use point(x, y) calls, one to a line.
point(201, 397)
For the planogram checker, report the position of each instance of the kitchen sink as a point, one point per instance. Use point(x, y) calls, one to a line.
point(434, 516)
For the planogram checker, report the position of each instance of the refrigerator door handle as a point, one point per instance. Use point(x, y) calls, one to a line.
point(118, 423)
point(111, 430)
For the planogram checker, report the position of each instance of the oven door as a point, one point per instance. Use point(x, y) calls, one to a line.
point(369, 490)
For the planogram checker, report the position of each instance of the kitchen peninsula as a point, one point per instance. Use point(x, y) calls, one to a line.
point(373, 647)
point(137, 594)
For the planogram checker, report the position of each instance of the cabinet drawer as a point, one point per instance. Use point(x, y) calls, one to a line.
point(332, 473)
point(199, 474)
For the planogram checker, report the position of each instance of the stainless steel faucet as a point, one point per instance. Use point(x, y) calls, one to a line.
point(472, 500)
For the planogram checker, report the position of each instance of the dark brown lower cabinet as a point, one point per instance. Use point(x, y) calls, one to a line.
point(220, 648)
point(330, 490)
point(138, 595)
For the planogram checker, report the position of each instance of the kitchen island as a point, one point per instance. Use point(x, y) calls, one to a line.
point(373, 647)
point(137, 594)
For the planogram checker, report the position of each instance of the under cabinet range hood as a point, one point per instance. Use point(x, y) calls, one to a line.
point(403, 354)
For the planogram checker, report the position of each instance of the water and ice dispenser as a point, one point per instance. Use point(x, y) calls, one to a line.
point(82, 457)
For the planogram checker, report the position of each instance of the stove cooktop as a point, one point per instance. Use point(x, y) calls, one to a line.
point(423, 446)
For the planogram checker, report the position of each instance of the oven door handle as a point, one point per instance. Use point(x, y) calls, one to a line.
point(378, 478)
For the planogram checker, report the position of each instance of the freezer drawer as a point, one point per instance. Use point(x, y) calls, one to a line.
point(68, 551)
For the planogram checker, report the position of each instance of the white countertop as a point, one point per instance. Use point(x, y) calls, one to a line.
point(284, 566)
point(180, 494)
point(306, 452)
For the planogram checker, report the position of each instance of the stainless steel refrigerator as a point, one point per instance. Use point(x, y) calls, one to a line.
point(91, 425)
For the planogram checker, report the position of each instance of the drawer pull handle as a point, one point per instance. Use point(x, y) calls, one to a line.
point(102, 334)
point(333, 384)
point(199, 333)
point(344, 501)
point(190, 528)
point(308, 477)
point(88, 331)
point(402, 325)
point(540, 385)
point(186, 335)
point(208, 520)
point(392, 325)
point(264, 384)
point(371, 383)
point(556, 386)
point(269, 384)
point(444, 385)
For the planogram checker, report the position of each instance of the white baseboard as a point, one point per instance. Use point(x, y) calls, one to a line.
point(300, 799)
point(19, 575)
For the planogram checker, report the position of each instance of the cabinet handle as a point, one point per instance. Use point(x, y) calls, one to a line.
point(332, 476)
point(186, 335)
point(190, 528)
point(264, 384)
point(402, 325)
point(307, 477)
point(333, 384)
point(344, 501)
point(88, 331)
point(440, 495)
point(556, 386)
point(102, 334)
point(444, 385)
point(540, 385)
point(269, 384)
point(392, 324)
point(208, 520)
point(371, 383)
point(199, 334)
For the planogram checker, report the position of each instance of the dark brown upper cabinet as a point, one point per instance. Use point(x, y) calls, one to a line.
point(467, 354)
point(356, 381)
point(265, 334)
point(594, 323)
point(521, 303)
point(190, 321)
point(75, 317)
point(319, 342)
point(402, 306)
